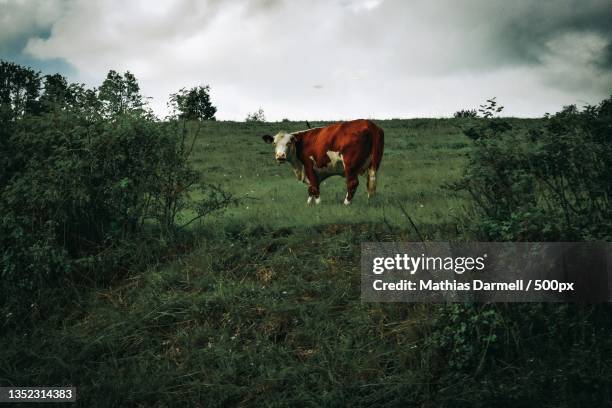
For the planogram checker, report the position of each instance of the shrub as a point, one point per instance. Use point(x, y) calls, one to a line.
point(546, 183)
point(466, 113)
point(519, 354)
point(81, 192)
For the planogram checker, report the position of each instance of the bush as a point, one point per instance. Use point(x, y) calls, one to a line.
point(549, 183)
point(82, 196)
point(545, 183)
point(519, 355)
point(466, 113)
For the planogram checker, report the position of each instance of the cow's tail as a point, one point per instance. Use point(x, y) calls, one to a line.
point(378, 143)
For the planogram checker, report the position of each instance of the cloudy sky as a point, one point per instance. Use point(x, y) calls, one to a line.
point(327, 59)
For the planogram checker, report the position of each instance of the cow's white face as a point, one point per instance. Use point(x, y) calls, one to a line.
point(283, 145)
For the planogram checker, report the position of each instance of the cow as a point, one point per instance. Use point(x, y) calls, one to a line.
point(345, 148)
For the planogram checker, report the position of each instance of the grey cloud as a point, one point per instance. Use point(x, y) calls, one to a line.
point(473, 34)
point(334, 58)
point(20, 22)
point(606, 59)
point(526, 36)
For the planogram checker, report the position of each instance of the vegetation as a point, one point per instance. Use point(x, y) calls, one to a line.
point(490, 108)
point(83, 190)
point(486, 110)
point(466, 113)
point(120, 94)
point(549, 183)
point(257, 116)
point(260, 305)
point(193, 104)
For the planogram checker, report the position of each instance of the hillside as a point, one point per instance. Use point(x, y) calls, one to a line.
point(264, 308)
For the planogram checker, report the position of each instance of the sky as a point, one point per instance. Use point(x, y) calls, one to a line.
point(327, 59)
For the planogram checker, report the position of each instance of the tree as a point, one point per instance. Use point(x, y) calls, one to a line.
point(257, 116)
point(120, 94)
point(193, 104)
point(59, 94)
point(56, 93)
point(19, 90)
point(86, 101)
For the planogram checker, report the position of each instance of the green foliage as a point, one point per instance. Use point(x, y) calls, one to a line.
point(193, 104)
point(545, 183)
point(19, 91)
point(76, 189)
point(520, 354)
point(57, 93)
point(465, 333)
point(120, 94)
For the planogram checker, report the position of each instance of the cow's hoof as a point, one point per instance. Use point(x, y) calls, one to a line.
point(346, 202)
point(309, 201)
point(318, 200)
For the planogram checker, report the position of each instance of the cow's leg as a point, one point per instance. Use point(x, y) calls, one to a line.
point(351, 186)
point(371, 182)
point(354, 161)
point(352, 167)
point(313, 185)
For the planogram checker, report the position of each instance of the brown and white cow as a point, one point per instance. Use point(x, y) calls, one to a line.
point(345, 148)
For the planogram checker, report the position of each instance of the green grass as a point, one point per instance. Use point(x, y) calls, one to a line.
point(266, 310)
point(421, 157)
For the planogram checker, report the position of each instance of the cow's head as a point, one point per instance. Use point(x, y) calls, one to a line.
point(284, 145)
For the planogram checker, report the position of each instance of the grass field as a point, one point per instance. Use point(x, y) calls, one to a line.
point(266, 309)
point(421, 157)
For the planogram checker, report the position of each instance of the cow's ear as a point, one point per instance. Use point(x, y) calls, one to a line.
point(267, 138)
